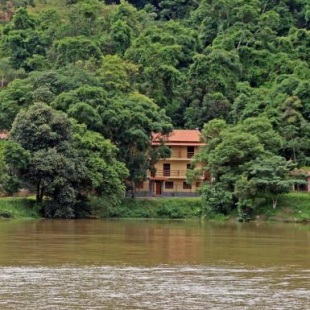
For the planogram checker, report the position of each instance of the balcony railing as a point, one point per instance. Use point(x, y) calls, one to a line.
point(171, 173)
point(176, 155)
point(179, 174)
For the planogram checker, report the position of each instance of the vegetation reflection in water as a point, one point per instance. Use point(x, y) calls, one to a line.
point(153, 265)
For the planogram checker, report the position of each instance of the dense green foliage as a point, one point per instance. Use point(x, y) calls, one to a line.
point(122, 70)
point(170, 208)
point(244, 166)
point(61, 163)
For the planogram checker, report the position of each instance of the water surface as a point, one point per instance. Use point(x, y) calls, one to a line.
point(93, 264)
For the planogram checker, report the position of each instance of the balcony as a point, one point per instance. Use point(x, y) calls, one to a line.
point(176, 174)
point(182, 155)
point(171, 173)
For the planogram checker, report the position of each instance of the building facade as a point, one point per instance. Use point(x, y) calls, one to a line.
point(170, 177)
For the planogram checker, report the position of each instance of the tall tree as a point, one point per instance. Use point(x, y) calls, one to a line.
point(59, 166)
point(243, 163)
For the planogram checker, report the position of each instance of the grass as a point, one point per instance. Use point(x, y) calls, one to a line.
point(292, 207)
point(11, 207)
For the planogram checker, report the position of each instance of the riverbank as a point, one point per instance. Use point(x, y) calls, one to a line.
point(15, 207)
point(292, 207)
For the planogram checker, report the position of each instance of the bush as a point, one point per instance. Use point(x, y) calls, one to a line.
point(172, 208)
point(216, 200)
point(178, 210)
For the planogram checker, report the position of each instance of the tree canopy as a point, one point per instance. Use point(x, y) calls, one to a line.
point(61, 161)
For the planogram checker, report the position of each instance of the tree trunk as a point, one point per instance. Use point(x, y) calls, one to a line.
point(39, 193)
point(133, 189)
point(274, 202)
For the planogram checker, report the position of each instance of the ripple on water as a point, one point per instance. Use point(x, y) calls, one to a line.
point(161, 287)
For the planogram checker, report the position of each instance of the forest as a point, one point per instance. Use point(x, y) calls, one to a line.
point(84, 83)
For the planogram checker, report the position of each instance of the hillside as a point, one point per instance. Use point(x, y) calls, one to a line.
point(120, 71)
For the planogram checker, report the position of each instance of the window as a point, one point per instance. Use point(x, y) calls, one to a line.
point(187, 186)
point(168, 185)
point(188, 166)
point(167, 170)
point(190, 151)
point(197, 184)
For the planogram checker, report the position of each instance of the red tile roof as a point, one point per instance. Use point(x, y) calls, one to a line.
point(179, 137)
point(3, 135)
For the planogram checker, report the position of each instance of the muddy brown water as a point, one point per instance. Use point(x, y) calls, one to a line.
point(127, 264)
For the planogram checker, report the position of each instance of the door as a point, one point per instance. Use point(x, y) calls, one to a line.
point(158, 188)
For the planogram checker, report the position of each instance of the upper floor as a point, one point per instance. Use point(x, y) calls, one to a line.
point(183, 143)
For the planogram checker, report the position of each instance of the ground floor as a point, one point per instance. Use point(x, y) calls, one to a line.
point(167, 187)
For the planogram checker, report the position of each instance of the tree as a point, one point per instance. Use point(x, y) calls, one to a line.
point(164, 53)
point(213, 105)
point(265, 177)
point(8, 73)
point(22, 43)
point(117, 76)
point(16, 96)
point(105, 174)
point(212, 85)
point(121, 34)
point(243, 164)
point(60, 167)
point(45, 87)
point(129, 123)
point(70, 50)
point(40, 136)
point(82, 104)
point(83, 19)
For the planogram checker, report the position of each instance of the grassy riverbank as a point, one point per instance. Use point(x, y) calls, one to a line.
point(12, 207)
point(292, 207)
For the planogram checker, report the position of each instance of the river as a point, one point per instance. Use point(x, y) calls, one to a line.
point(162, 265)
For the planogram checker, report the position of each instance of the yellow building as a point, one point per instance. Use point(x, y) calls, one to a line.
point(170, 178)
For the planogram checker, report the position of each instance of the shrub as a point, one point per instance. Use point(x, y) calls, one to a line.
point(172, 208)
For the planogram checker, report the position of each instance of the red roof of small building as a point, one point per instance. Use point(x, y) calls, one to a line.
point(179, 137)
point(3, 135)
